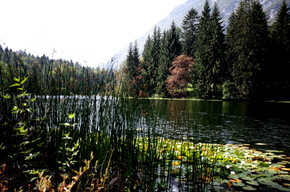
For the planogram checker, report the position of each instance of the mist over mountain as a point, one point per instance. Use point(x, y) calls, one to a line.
point(226, 7)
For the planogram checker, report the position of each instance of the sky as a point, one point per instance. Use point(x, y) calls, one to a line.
point(90, 32)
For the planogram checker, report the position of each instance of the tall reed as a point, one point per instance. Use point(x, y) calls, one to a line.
point(69, 118)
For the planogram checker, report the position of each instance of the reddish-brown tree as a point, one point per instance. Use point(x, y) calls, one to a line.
point(176, 84)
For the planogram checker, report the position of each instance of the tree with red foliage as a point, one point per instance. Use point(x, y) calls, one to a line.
point(176, 84)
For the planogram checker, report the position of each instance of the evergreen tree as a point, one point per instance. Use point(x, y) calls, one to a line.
point(217, 49)
point(200, 73)
point(146, 55)
point(132, 63)
point(247, 36)
point(189, 25)
point(136, 57)
point(145, 63)
point(280, 52)
point(163, 68)
point(174, 43)
point(170, 49)
point(154, 59)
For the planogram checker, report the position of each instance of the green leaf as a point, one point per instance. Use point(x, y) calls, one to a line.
point(16, 79)
point(14, 109)
point(33, 172)
point(24, 143)
point(6, 96)
point(5, 123)
point(24, 80)
point(22, 131)
point(65, 124)
point(15, 85)
point(71, 116)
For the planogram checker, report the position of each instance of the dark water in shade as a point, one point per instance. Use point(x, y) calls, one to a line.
point(219, 121)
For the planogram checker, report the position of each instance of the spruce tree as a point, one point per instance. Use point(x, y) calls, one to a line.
point(280, 52)
point(163, 68)
point(133, 69)
point(130, 62)
point(170, 49)
point(247, 36)
point(146, 55)
point(200, 73)
point(136, 57)
point(154, 56)
point(174, 43)
point(145, 63)
point(217, 49)
point(189, 25)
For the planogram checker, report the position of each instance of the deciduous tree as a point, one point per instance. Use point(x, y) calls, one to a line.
point(176, 84)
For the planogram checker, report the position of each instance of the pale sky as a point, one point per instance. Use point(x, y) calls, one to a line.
point(87, 31)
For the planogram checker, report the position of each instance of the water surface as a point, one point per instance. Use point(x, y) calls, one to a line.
point(220, 121)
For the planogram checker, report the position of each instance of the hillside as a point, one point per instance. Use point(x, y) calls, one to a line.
point(226, 8)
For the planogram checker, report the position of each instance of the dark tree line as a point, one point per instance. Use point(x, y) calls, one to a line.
point(249, 59)
point(51, 77)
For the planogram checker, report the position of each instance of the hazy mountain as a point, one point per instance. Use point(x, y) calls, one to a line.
point(226, 7)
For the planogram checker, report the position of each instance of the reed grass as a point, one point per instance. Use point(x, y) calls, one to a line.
point(90, 139)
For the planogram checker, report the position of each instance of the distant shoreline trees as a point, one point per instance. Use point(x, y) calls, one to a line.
point(247, 60)
point(52, 77)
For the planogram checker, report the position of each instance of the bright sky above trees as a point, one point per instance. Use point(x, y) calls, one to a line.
point(87, 31)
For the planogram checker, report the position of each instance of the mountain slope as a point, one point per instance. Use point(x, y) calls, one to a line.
point(226, 7)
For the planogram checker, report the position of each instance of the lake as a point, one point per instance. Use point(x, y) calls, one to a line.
point(219, 121)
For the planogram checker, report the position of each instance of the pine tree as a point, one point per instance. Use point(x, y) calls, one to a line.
point(132, 63)
point(189, 25)
point(136, 57)
point(163, 68)
point(200, 74)
point(146, 51)
point(280, 52)
point(247, 36)
point(154, 62)
point(144, 66)
point(171, 48)
point(217, 49)
point(174, 43)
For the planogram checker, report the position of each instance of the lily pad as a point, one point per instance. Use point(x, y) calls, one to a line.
point(281, 188)
point(249, 188)
point(238, 184)
point(248, 178)
point(255, 183)
point(266, 181)
point(282, 177)
point(282, 172)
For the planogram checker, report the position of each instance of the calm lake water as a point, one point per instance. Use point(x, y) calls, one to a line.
point(199, 121)
point(219, 121)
